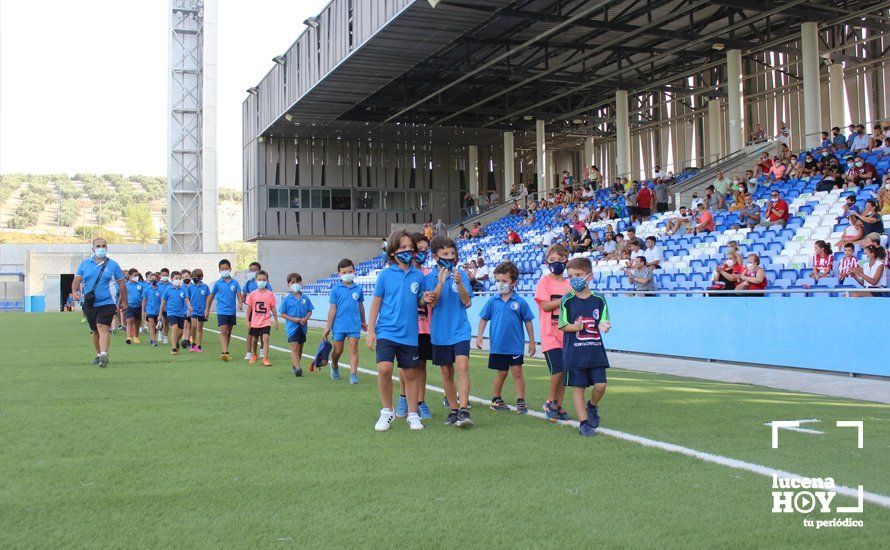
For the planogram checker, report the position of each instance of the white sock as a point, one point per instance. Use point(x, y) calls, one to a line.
point(103, 353)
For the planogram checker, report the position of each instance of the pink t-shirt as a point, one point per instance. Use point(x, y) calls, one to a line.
point(423, 313)
point(550, 289)
point(261, 302)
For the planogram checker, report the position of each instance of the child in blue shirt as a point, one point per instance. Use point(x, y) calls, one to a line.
point(151, 304)
point(134, 314)
point(507, 313)
point(163, 285)
point(393, 319)
point(346, 319)
point(198, 294)
point(175, 302)
point(228, 295)
point(296, 309)
point(450, 328)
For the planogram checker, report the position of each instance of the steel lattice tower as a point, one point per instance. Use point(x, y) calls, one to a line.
point(191, 164)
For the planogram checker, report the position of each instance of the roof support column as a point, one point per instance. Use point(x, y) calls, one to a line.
point(509, 163)
point(714, 138)
point(836, 94)
point(812, 102)
point(587, 152)
point(622, 134)
point(540, 157)
point(735, 100)
point(473, 168)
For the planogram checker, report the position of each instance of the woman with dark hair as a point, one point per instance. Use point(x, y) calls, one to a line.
point(822, 261)
point(873, 274)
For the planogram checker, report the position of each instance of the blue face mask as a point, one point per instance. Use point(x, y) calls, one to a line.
point(578, 283)
point(421, 257)
point(261, 284)
point(405, 256)
point(445, 264)
point(101, 252)
point(557, 267)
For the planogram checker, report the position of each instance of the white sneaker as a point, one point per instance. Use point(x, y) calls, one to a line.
point(414, 421)
point(247, 356)
point(165, 340)
point(262, 353)
point(386, 418)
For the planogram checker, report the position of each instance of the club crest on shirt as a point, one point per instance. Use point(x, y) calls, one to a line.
point(454, 287)
point(232, 288)
point(514, 306)
point(414, 288)
point(355, 296)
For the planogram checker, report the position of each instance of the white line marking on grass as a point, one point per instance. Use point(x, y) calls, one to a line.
point(791, 425)
point(766, 471)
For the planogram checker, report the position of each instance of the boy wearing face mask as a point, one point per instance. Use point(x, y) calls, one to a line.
point(583, 317)
point(507, 313)
point(227, 291)
point(163, 285)
point(346, 319)
point(450, 328)
point(249, 286)
point(152, 307)
point(548, 294)
point(424, 344)
point(175, 302)
point(260, 313)
point(135, 309)
point(198, 294)
point(296, 310)
point(187, 323)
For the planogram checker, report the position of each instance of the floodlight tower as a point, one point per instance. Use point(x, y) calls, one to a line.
point(191, 130)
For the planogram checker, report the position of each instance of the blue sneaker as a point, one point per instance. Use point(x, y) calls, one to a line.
point(586, 429)
point(551, 411)
point(353, 379)
point(424, 411)
point(402, 407)
point(593, 415)
point(335, 373)
point(298, 372)
point(563, 414)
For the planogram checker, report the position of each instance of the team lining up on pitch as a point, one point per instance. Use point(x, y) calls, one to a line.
point(418, 313)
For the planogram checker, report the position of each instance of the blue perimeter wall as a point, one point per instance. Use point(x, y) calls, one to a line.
point(833, 334)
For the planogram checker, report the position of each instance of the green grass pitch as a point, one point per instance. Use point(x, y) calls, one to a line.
point(160, 451)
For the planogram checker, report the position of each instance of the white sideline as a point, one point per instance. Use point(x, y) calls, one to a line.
point(766, 471)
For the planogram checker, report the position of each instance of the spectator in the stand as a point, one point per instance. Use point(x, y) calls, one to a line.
point(595, 177)
point(565, 213)
point(584, 242)
point(733, 252)
point(620, 251)
point(750, 214)
point(739, 194)
point(704, 221)
point(645, 201)
point(661, 196)
point(777, 172)
point(523, 189)
point(752, 277)
point(763, 165)
point(726, 276)
point(873, 272)
point(693, 204)
point(871, 220)
point(862, 173)
point(640, 275)
point(795, 168)
point(463, 232)
point(883, 148)
point(632, 237)
point(825, 140)
point(751, 181)
point(470, 268)
point(877, 137)
point(880, 239)
point(582, 213)
point(470, 201)
point(785, 153)
point(848, 209)
point(512, 237)
point(783, 136)
point(852, 233)
point(851, 135)
point(759, 134)
point(514, 209)
point(618, 186)
point(776, 210)
point(570, 234)
point(633, 250)
point(528, 219)
point(838, 141)
point(657, 173)
point(721, 184)
point(713, 200)
point(861, 141)
point(809, 167)
point(822, 261)
point(883, 197)
point(440, 230)
point(481, 274)
point(608, 247)
point(548, 237)
point(480, 231)
point(824, 157)
point(832, 176)
point(847, 262)
point(653, 253)
point(630, 198)
point(681, 220)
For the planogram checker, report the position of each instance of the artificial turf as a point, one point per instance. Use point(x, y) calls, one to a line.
point(188, 451)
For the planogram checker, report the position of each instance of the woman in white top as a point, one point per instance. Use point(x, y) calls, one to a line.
point(873, 274)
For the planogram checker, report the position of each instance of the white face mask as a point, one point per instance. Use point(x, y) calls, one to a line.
point(134, 278)
point(730, 263)
point(251, 275)
point(347, 277)
point(165, 278)
point(750, 266)
point(503, 288)
point(177, 282)
point(296, 287)
point(225, 274)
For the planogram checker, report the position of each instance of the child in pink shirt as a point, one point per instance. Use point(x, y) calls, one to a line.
point(548, 294)
point(260, 313)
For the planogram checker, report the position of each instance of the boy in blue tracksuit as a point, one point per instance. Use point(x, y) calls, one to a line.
point(507, 313)
point(296, 309)
point(151, 304)
point(249, 286)
point(392, 325)
point(198, 294)
point(163, 285)
point(134, 314)
point(450, 328)
point(346, 319)
point(175, 302)
point(228, 295)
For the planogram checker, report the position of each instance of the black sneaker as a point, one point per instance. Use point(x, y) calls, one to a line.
point(593, 415)
point(521, 407)
point(298, 372)
point(452, 418)
point(497, 404)
point(463, 419)
point(96, 360)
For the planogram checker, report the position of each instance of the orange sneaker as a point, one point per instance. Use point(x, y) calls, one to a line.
point(266, 362)
point(253, 359)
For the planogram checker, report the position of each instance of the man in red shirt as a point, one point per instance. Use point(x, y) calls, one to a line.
point(644, 202)
point(705, 220)
point(512, 237)
point(776, 211)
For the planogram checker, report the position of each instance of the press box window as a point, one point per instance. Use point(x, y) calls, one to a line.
point(341, 199)
point(278, 198)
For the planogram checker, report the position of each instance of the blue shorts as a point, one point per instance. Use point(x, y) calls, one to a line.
point(584, 378)
point(133, 313)
point(199, 318)
point(503, 361)
point(554, 360)
point(297, 337)
point(340, 336)
point(388, 351)
point(177, 321)
point(444, 356)
point(223, 319)
point(151, 317)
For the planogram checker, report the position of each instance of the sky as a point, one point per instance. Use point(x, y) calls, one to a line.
point(83, 84)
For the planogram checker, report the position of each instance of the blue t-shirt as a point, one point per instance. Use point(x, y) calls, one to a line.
point(295, 306)
point(163, 287)
point(505, 330)
point(347, 299)
point(176, 297)
point(135, 293)
point(583, 350)
point(106, 289)
point(449, 323)
point(250, 286)
point(226, 293)
point(399, 292)
point(198, 294)
point(152, 300)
